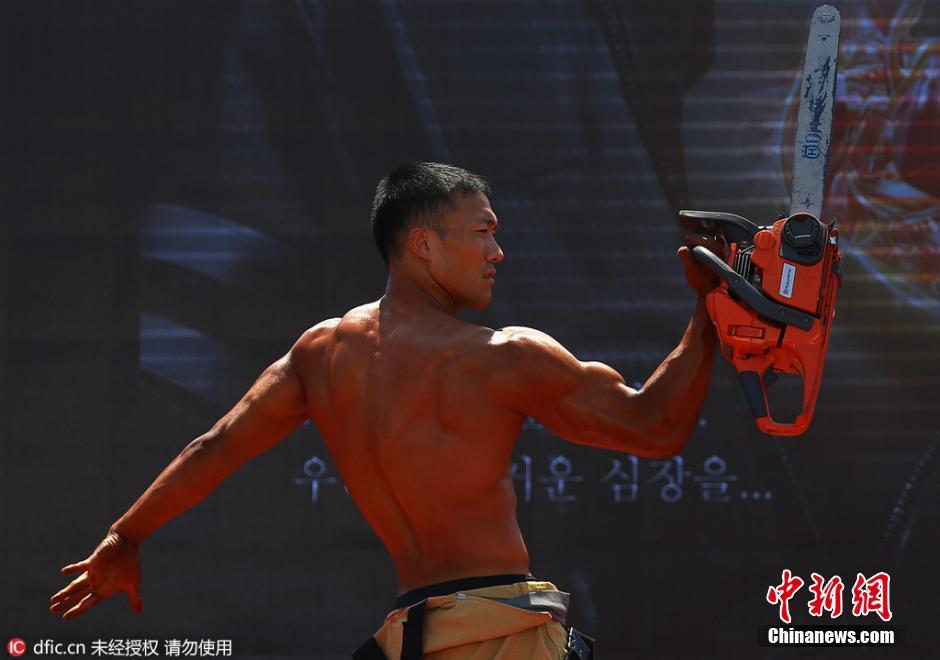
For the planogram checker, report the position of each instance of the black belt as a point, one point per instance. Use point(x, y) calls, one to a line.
point(415, 596)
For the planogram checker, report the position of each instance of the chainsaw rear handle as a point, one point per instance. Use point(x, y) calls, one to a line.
point(749, 294)
point(755, 385)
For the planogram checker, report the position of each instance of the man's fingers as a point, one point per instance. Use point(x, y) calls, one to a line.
point(86, 603)
point(78, 585)
point(71, 568)
point(69, 595)
point(713, 243)
point(700, 279)
point(66, 602)
point(688, 259)
point(59, 605)
point(71, 591)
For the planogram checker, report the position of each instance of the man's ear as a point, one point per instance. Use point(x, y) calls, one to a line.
point(418, 242)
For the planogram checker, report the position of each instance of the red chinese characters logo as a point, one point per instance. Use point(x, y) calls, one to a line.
point(827, 596)
point(869, 595)
point(782, 593)
point(872, 596)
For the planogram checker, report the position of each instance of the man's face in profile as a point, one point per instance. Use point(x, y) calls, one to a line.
point(465, 252)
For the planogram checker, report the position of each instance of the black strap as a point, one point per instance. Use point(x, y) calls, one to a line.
point(412, 633)
point(453, 586)
point(369, 651)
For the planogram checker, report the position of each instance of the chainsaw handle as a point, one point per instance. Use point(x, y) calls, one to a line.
point(734, 228)
point(755, 391)
point(750, 295)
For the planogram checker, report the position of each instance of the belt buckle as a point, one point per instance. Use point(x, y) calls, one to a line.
point(580, 646)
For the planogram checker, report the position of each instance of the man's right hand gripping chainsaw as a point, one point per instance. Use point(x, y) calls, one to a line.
point(774, 307)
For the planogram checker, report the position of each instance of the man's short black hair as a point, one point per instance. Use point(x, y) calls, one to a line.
point(417, 194)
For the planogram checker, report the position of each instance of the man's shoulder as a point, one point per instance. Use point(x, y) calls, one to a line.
point(321, 336)
point(528, 352)
point(531, 365)
point(523, 340)
point(316, 334)
point(325, 330)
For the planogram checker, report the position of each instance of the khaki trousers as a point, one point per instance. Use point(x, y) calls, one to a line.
point(475, 625)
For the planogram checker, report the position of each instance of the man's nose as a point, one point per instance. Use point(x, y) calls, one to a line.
point(496, 255)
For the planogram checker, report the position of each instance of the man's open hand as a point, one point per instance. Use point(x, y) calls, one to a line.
point(700, 279)
point(114, 566)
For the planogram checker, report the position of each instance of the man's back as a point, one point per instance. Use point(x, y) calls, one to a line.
point(406, 404)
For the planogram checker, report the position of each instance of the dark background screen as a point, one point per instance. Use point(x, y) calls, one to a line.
point(187, 188)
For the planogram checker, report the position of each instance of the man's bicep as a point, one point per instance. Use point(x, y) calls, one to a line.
point(583, 402)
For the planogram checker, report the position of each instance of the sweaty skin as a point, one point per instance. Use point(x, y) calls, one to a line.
point(420, 412)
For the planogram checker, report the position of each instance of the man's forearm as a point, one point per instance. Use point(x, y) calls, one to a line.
point(186, 481)
point(677, 388)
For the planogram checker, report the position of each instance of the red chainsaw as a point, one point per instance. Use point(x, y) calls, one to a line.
point(774, 307)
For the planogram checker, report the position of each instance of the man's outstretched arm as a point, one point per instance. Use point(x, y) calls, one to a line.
point(274, 406)
point(589, 402)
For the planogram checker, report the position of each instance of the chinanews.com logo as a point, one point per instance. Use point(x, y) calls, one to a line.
point(870, 596)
